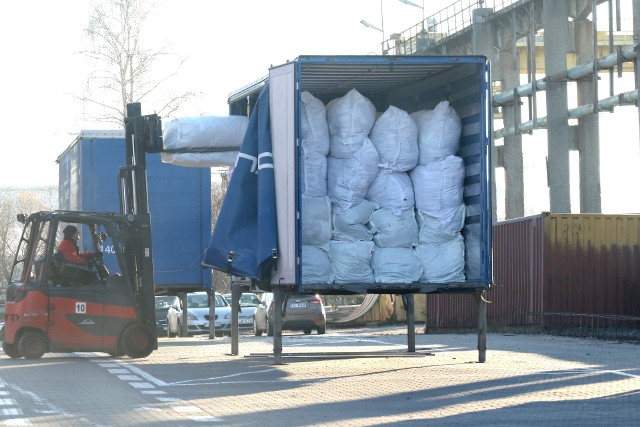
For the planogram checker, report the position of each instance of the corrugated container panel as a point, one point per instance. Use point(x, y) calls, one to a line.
point(587, 264)
point(179, 202)
point(592, 264)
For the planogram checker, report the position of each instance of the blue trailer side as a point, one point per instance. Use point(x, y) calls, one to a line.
point(179, 202)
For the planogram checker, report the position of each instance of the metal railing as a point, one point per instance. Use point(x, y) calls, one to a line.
point(598, 326)
point(440, 26)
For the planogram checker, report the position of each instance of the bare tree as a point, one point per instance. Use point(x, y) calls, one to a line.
point(126, 70)
point(221, 280)
point(13, 202)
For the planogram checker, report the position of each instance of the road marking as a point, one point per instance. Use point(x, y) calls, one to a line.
point(168, 399)
point(129, 377)
point(141, 385)
point(17, 422)
point(124, 372)
point(206, 419)
point(188, 408)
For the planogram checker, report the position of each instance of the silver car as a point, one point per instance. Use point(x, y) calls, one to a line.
point(198, 314)
point(248, 303)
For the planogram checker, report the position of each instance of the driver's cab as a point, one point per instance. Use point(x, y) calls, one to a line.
point(76, 305)
point(46, 267)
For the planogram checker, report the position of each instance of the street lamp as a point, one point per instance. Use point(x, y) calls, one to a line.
point(410, 3)
point(369, 25)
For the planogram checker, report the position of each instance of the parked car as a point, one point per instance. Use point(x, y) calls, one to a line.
point(248, 303)
point(303, 311)
point(163, 302)
point(198, 314)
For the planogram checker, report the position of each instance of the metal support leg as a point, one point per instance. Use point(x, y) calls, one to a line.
point(277, 326)
point(184, 327)
point(482, 326)
point(411, 324)
point(236, 291)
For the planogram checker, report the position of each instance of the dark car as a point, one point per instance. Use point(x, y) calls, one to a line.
point(163, 302)
point(302, 312)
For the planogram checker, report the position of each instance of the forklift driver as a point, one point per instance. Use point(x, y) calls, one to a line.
point(70, 250)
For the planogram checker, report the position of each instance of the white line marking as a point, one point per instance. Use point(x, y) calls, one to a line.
point(119, 371)
point(11, 411)
point(168, 399)
point(206, 419)
point(153, 392)
point(144, 375)
point(189, 408)
point(17, 422)
point(225, 376)
point(141, 385)
point(8, 402)
point(129, 378)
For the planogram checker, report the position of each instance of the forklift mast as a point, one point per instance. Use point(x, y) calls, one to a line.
point(142, 134)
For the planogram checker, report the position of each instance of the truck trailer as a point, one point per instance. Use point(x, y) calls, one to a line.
point(275, 244)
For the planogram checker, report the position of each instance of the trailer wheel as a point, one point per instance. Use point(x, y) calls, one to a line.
point(11, 350)
point(32, 345)
point(269, 329)
point(137, 341)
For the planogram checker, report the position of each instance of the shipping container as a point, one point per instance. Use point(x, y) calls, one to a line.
point(179, 202)
point(557, 271)
point(410, 83)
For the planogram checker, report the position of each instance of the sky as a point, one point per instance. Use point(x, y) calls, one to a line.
point(228, 44)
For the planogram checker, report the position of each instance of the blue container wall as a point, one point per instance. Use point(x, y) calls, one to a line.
point(179, 202)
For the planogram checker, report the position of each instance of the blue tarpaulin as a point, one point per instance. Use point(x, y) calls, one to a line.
point(244, 241)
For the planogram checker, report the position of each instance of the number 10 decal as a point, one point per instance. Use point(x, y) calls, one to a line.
point(81, 307)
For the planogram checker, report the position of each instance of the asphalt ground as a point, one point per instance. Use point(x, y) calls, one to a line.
point(351, 377)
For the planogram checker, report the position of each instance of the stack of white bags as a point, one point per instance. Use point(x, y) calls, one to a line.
point(382, 198)
point(393, 207)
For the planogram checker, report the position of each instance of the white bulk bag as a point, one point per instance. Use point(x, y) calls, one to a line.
point(316, 266)
point(395, 136)
point(350, 118)
point(442, 263)
point(396, 265)
point(438, 186)
point(315, 221)
point(435, 231)
point(351, 261)
point(222, 133)
point(314, 129)
point(351, 225)
point(439, 132)
point(349, 178)
point(201, 160)
point(394, 231)
point(313, 173)
point(392, 190)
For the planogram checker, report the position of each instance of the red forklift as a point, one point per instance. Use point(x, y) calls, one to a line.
point(56, 306)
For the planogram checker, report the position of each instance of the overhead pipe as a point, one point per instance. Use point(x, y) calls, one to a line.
point(628, 54)
point(626, 98)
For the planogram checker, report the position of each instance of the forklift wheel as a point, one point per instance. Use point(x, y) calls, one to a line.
point(11, 350)
point(137, 341)
point(32, 345)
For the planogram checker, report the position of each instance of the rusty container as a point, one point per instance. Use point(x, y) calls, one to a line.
point(572, 265)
